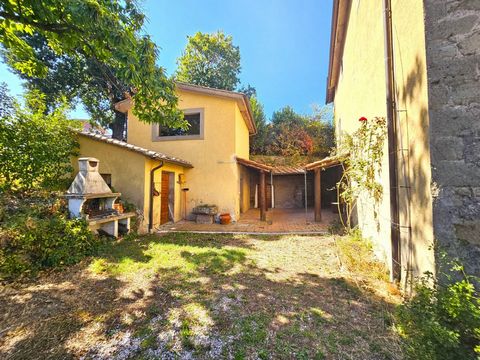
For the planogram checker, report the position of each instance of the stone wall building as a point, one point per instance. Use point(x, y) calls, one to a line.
point(452, 31)
point(433, 110)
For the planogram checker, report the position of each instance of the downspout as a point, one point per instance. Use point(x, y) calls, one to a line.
point(152, 188)
point(392, 143)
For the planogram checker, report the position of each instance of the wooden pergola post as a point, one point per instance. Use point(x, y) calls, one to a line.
point(318, 195)
point(263, 202)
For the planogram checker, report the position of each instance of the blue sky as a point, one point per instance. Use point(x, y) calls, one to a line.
point(284, 44)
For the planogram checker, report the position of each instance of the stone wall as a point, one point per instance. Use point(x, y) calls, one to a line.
point(453, 65)
point(289, 191)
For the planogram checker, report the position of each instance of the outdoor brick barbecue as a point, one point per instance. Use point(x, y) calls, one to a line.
point(89, 197)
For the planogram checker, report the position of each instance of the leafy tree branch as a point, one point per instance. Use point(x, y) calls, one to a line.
point(94, 51)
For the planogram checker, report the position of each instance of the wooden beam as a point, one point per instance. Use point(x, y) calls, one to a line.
point(326, 162)
point(254, 164)
point(263, 202)
point(318, 195)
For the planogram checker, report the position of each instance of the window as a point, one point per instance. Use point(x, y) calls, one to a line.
point(194, 117)
point(107, 178)
point(193, 129)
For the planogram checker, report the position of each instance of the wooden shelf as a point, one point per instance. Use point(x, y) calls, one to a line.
point(111, 218)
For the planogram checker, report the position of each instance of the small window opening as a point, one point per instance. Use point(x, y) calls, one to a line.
point(193, 128)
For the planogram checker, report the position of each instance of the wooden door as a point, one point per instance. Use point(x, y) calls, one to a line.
point(164, 197)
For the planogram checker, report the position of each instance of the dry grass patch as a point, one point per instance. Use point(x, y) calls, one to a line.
point(194, 296)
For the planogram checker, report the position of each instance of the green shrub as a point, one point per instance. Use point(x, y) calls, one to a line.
point(36, 234)
point(35, 146)
point(442, 319)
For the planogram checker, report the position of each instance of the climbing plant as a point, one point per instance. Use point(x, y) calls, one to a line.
point(361, 154)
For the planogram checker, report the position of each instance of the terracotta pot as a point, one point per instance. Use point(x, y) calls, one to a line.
point(225, 219)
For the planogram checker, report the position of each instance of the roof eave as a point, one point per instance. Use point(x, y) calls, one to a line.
point(340, 15)
point(137, 149)
point(327, 162)
point(254, 164)
point(241, 99)
point(252, 128)
point(124, 105)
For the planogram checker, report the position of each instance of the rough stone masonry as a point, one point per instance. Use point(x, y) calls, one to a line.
point(452, 30)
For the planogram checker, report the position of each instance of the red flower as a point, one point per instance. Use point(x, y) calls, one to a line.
point(362, 119)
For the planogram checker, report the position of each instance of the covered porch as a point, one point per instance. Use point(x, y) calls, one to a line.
point(307, 191)
point(280, 200)
point(278, 221)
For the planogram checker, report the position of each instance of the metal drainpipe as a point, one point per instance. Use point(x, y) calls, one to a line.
point(152, 188)
point(392, 142)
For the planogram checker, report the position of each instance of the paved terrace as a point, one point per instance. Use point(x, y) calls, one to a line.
point(279, 221)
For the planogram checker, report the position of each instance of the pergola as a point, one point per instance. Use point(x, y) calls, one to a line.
point(316, 167)
point(263, 169)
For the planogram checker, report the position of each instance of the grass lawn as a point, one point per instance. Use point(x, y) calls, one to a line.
point(193, 296)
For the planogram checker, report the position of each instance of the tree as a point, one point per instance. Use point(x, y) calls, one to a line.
point(27, 158)
point(288, 117)
point(290, 134)
point(248, 90)
point(210, 60)
point(320, 128)
point(258, 141)
point(289, 141)
point(6, 101)
point(94, 50)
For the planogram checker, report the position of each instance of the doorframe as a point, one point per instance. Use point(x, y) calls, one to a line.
point(170, 196)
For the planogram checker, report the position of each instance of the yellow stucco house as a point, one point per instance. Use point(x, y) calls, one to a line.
point(415, 63)
point(165, 172)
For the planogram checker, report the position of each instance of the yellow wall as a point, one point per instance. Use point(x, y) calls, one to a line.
point(178, 201)
point(126, 167)
point(242, 136)
point(215, 177)
point(130, 173)
point(361, 91)
point(244, 188)
point(242, 149)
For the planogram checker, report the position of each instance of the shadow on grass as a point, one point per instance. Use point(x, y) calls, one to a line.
point(214, 261)
point(211, 302)
point(204, 240)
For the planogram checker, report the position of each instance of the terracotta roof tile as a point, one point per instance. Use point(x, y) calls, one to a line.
point(146, 152)
point(326, 162)
point(288, 170)
point(254, 164)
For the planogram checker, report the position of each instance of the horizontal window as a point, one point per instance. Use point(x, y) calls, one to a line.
point(195, 120)
point(193, 128)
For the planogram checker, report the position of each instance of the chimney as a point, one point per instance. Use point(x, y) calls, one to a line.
point(88, 179)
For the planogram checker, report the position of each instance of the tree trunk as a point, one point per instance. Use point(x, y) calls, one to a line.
point(118, 126)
